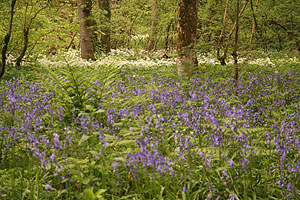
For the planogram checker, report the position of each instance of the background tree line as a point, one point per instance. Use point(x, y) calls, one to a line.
point(46, 26)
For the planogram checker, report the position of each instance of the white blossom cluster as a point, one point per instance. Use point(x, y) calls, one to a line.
point(141, 58)
point(116, 58)
point(207, 59)
point(140, 37)
point(211, 59)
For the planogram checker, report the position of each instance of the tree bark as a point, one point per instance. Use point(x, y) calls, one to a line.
point(253, 27)
point(222, 58)
point(167, 38)
point(186, 40)
point(26, 29)
point(234, 54)
point(6, 39)
point(84, 15)
point(105, 37)
point(153, 25)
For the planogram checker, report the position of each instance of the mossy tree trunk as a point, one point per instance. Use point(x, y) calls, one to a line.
point(7, 38)
point(153, 25)
point(186, 40)
point(86, 42)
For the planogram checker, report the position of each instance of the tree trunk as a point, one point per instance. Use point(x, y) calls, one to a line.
point(186, 41)
point(253, 27)
point(225, 51)
point(84, 15)
point(220, 39)
point(105, 36)
point(6, 39)
point(153, 25)
point(167, 38)
point(26, 28)
point(21, 56)
point(234, 54)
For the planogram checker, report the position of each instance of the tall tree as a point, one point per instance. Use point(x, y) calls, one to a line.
point(7, 38)
point(254, 24)
point(105, 6)
point(220, 39)
point(84, 15)
point(153, 25)
point(186, 40)
point(235, 49)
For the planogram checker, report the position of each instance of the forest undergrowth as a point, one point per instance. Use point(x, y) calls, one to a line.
point(74, 129)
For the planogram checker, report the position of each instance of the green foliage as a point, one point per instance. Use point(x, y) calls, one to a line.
point(77, 88)
point(141, 132)
point(50, 29)
point(92, 159)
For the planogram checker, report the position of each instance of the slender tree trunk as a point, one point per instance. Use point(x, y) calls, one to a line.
point(235, 49)
point(105, 37)
point(26, 29)
point(225, 51)
point(186, 41)
point(21, 56)
point(6, 39)
point(167, 38)
point(253, 27)
point(84, 15)
point(153, 25)
point(72, 40)
point(222, 58)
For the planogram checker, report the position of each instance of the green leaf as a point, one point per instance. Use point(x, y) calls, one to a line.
point(83, 139)
point(89, 194)
point(125, 142)
point(100, 111)
point(100, 192)
point(60, 193)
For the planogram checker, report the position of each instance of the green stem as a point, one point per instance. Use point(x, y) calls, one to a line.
point(36, 186)
point(245, 187)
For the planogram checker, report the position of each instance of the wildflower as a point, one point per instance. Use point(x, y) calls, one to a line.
point(48, 187)
point(184, 189)
point(244, 162)
point(56, 142)
point(52, 157)
point(231, 163)
point(114, 165)
point(174, 126)
point(290, 187)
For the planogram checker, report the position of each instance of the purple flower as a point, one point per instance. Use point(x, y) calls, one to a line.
point(12, 98)
point(244, 161)
point(56, 142)
point(52, 157)
point(290, 187)
point(231, 196)
point(184, 189)
point(231, 163)
point(114, 164)
point(48, 187)
point(60, 113)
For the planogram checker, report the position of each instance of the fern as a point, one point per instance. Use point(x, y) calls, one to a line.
point(76, 88)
